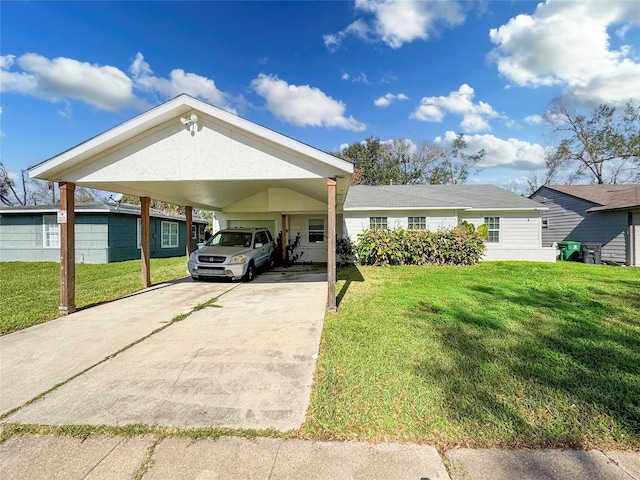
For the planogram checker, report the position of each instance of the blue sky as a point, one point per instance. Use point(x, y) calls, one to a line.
point(325, 73)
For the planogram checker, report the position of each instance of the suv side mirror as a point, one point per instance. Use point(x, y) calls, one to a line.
point(258, 245)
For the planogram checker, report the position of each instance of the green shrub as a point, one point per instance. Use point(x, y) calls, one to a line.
point(461, 245)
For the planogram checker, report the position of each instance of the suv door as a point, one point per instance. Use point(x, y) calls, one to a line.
point(262, 253)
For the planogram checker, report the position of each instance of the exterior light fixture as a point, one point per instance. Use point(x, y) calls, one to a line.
point(188, 122)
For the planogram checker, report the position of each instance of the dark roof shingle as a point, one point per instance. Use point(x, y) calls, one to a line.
point(435, 197)
point(607, 197)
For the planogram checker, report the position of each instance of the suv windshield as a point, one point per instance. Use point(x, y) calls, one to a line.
point(231, 239)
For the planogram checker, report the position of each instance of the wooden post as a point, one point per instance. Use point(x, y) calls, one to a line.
point(283, 241)
point(145, 251)
point(188, 212)
point(331, 245)
point(66, 221)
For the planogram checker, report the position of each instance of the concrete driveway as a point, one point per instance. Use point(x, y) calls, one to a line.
point(246, 362)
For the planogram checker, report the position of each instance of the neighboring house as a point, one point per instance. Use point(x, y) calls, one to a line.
point(514, 222)
point(605, 214)
point(104, 233)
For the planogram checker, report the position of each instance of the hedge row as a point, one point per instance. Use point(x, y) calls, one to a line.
point(461, 245)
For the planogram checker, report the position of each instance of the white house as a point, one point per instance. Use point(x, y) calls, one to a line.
point(514, 221)
point(190, 153)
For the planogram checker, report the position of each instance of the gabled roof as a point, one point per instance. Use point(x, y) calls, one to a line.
point(208, 163)
point(436, 197)
point(96, 207)
point(606, 197)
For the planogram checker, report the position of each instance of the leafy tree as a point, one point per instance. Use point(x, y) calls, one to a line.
point(397, 162)
point(453, 164)
point(603, 146)
point(367, 158)
point(400, 162)
point(165, 207)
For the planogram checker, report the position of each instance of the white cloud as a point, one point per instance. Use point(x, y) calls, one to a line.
point(396, 22)
point(104, 87)
point(303, 105)
point(475, 116)
point(178, 82)
point(567, 43)
point(358, 29)
point(510, 153)
point(388, 99)
point(534, 119)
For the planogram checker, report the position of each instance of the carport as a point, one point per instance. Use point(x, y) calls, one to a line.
point(190, 153)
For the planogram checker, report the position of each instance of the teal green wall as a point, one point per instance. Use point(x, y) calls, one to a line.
point(100, 238)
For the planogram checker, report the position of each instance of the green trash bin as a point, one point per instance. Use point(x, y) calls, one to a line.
point(569, 251)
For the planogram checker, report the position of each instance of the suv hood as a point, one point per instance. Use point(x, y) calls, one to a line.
point(226, 251)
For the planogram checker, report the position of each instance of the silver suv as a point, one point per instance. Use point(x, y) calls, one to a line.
point(234, 253)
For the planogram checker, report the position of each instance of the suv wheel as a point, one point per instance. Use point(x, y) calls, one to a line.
point(251, 273)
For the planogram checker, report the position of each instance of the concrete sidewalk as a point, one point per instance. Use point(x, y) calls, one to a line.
point(114, 458)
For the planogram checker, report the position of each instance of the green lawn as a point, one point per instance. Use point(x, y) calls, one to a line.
point(30, 291)
point(499, 354)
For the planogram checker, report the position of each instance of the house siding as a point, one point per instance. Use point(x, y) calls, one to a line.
point(357, 222)
point(100, 238)
point(568, 220)
point(21, 239)
point(519, 231)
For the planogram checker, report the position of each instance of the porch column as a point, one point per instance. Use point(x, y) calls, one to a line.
point(188, 213)
point(66, 221)
point(283, 240)
point(145, 250)
point(331, 245)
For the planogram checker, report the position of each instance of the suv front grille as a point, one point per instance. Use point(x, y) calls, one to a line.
point(211, 258)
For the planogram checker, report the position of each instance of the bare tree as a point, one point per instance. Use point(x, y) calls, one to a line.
point(8, 194)
point(603, 146)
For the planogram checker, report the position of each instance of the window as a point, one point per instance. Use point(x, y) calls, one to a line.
point(316, 230)
point(139, 233)
point(494, 229)
point(545, 223)
point(193, 232)
point(50, 231)
point(417, 223)
point(261, 237)
point(377, 223)
point(169, 234)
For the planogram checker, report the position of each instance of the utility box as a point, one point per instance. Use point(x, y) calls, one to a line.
point(569, 251)
point(592, 253)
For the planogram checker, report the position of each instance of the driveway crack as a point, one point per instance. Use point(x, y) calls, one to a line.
point(184, 367)
point(275, 459)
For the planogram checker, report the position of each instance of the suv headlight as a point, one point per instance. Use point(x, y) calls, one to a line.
point(239, 258)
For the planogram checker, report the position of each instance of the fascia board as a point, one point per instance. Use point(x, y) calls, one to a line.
point(466, 209)
point(392, 209)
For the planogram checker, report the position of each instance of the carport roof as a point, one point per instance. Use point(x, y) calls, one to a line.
point(214, 163)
